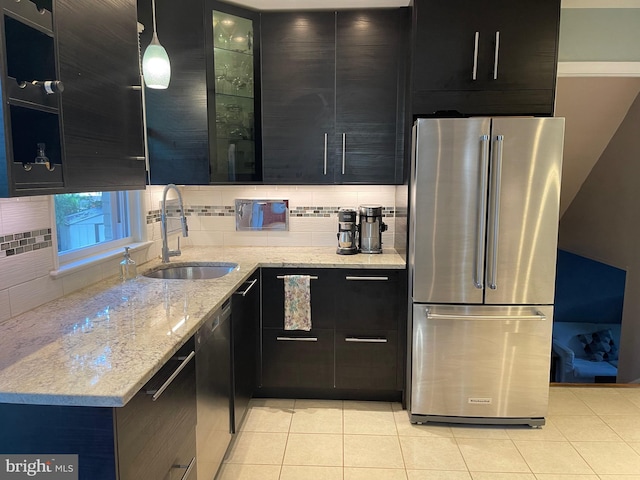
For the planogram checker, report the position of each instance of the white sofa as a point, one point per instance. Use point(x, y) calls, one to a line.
point(572, 363)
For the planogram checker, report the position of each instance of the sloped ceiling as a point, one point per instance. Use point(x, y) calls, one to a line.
point(593, 109)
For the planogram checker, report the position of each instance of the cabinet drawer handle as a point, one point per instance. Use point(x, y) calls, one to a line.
point(188, 467)
point(381, 279)
point(297, 339)
point(326, 136)
point(156, 393)
point(496, 55)
point(365, 340)
point(248, 288)
point(474, 75)
point(311, 277)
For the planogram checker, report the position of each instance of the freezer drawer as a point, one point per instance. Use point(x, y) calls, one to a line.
point(480, 363)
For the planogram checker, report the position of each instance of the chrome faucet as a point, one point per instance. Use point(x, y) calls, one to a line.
point(166, 253)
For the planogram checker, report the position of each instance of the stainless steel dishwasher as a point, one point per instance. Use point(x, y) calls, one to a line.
point(213, 391)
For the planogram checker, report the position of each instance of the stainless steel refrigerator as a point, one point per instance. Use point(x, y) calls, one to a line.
point(484, 199)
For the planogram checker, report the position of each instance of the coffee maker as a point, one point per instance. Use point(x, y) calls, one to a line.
point(371, 228)
point(347, 232)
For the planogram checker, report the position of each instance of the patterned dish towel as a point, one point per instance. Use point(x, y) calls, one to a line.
point(297, 302)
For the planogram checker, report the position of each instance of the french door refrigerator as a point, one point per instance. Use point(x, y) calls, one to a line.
point(484, 199)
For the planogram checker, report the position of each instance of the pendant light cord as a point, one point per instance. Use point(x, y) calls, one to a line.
point(153, 11)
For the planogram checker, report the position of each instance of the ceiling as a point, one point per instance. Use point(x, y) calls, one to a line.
point(318, 4)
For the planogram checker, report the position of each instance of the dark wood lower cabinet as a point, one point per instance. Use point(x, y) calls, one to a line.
point(245, 328)
point(144, 440)
point(150, 434)
point(297, 359)
point(366, 359)
point(356, 346)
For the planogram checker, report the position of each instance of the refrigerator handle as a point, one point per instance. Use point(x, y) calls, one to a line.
point(494, 213)
point(478, 276)
point(444, 316)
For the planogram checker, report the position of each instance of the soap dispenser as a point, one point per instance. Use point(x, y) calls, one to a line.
point(128, 269)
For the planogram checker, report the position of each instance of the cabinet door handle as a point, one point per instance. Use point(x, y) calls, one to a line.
point(344, 151)
point(188, 467)
point(326, 136)
point(248, 288)
point(156, 393)
point(496, 55)
point(297, 339)
point(380, 279)
point(311, 277)
point(365, 340)
point(476, 41)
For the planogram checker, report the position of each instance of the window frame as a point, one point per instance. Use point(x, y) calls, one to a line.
point(93, 254)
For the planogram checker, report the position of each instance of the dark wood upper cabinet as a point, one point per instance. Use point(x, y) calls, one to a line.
point(332, 97)
point(298, 97)
point(369, 109)
point(32, 119)
point(87, 137)
point(232, 38)
point(484, 58)
point(204, 128)
point(177, 117)
point(102, 101)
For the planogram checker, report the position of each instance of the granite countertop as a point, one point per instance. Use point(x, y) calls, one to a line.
point(100, 345)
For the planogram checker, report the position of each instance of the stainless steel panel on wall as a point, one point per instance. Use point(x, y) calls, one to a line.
point(447, 197)
point(481, 361)
point(530, 150)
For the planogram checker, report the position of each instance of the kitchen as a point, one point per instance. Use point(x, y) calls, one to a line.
point(321, 233)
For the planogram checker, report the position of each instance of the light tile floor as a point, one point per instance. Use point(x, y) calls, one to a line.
point(591, 433)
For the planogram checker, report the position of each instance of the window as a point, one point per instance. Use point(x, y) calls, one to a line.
point(87, 223)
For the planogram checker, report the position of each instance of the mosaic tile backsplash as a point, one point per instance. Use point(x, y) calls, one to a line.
point(22, 242)
point(153, 216)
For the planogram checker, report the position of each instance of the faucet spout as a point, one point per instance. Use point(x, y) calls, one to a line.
point(166, 252)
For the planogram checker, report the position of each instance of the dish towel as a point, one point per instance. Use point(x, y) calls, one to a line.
point(297, 302)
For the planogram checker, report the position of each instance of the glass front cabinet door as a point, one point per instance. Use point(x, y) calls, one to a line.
point(233, 94)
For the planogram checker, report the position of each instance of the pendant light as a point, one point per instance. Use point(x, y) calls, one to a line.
point(156, 68)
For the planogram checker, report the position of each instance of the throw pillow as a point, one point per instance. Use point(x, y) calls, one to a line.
point(599, 346)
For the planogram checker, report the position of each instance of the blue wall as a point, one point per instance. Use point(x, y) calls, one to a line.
point(588, 291)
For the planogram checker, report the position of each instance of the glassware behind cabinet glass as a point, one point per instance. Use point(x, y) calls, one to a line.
point(233, 156)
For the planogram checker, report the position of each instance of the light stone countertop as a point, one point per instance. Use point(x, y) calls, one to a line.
point(100, 345)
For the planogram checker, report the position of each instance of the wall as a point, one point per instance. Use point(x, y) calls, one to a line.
point(587, 291)
point(593, 108)
point(28, 252)
point(599, 35)
point(602, 224)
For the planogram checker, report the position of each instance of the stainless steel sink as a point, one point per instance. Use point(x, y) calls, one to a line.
point(191, 270)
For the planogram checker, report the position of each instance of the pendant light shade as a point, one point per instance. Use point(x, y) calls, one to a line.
point(156, 68)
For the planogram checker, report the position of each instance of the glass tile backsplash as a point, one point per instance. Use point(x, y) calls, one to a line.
point(22, 242)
